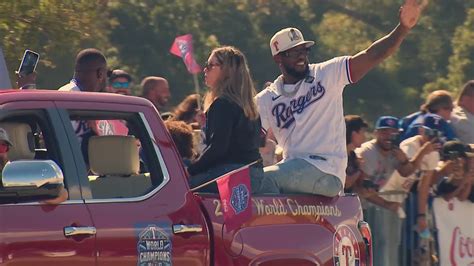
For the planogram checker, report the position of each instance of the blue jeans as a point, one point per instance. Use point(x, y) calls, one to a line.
point(256, 177)
point(299, 176)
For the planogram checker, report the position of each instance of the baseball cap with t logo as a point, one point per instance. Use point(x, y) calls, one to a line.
point(286, 39)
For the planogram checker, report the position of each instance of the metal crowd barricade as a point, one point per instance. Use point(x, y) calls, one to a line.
point(395, 240)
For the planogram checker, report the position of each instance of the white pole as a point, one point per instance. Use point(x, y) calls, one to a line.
point(197, 89)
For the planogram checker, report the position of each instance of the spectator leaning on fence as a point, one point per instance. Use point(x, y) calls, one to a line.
point(381, 158)
point(355, 135)
point(457, 171)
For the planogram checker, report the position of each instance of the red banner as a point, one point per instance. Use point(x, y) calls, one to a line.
point(234, 191)
point(183, 47)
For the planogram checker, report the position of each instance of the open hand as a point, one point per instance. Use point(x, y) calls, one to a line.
point(410, 12)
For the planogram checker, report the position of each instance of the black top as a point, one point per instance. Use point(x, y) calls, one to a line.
point(352, 164)
point(230, 137)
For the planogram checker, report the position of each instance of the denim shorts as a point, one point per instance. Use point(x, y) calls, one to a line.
point(299, 176)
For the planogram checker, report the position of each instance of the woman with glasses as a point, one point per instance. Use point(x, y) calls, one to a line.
point(232, 129)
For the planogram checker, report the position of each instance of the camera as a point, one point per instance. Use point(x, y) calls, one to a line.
point(453, 155)
point(395, 141)
point(433, 134)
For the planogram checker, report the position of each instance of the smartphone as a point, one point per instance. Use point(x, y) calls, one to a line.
point(395, 141)
point(28, 63)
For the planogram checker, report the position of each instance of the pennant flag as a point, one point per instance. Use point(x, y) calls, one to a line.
point(183, 47)
point(234, 191)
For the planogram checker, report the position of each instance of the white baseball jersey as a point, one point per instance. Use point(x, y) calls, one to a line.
point(310, 124)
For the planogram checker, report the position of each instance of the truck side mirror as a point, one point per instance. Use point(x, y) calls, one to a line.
point(30, 180)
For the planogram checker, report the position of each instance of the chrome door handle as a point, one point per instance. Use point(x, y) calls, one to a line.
point(187, 228)
point(83, 230)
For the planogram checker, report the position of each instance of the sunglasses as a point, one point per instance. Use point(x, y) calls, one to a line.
point(4, 148)
point(120, 85)
point(210, 66)
point(296, 53)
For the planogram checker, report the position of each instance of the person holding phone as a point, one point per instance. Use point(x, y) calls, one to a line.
point(26, 75)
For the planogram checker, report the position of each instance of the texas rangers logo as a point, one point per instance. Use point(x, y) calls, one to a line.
point(284, 114)
point(183, 47)
point(239, 200)
point(293, 35)
point(391, 122)
point(346, 248)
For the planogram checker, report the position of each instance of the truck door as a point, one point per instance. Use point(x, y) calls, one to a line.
point(134, 188)
point(35, 233)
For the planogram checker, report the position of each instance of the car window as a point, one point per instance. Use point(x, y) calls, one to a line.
point(30, 136)
point(119, 154)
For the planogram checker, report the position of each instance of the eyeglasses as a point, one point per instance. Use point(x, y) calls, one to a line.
point(119, 85)
point(210, 66)
point(296, 53)
point(4, 147)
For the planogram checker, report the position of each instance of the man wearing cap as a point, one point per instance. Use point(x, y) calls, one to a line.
point(120, 82)
point(5, 145)
point(302, 109)
point(382, 158)
point(456, 171)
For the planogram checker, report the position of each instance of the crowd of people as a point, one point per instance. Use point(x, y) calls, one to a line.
point(297, 125)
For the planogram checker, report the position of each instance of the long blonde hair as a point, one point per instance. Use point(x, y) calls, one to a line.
point(235, 83)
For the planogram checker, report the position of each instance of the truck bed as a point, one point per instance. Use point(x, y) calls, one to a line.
point(289, 230)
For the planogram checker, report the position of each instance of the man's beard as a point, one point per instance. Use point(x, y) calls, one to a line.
point(297, 74)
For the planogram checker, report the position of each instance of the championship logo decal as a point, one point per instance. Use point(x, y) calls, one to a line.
point(153, 246)
point(346, 248)
point(239, 199)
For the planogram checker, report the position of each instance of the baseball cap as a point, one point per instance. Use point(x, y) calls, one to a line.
point(386, 122)
point(456, 146)
point(4, 136)
point(286, 39)
point(434, 121)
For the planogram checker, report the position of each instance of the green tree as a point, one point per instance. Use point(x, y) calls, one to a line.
point(55, 29)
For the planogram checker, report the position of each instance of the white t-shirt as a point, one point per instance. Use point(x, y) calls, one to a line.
point(310, 123)
point(396, 182)
point(71, 86)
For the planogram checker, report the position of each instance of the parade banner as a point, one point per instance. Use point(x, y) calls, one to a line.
point(455, 231)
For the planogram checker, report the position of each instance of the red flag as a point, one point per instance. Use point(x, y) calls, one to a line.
point(183, 47)
point(234, 191)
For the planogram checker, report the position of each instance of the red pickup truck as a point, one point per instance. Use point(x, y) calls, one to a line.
point(129, 200)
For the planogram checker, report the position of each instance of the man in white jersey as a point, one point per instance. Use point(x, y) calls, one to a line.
point(303, 107)
point(90, 74)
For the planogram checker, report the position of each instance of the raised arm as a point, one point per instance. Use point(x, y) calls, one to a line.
point(364, 61)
